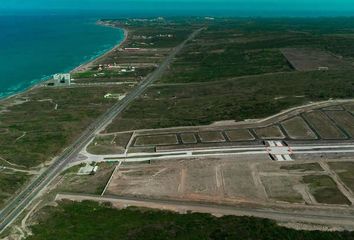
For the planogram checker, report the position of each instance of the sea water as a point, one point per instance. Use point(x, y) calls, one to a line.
point(35, 46)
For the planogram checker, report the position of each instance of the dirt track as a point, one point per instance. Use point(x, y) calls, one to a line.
point(339, 220)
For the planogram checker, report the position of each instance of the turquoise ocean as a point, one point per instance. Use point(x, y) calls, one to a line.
point(35, 46)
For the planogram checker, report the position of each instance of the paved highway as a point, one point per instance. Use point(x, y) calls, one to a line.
point(17, 205)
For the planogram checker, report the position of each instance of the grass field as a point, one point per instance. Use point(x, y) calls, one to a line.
point(109, 144)
point(188, 138)
point(211, 137)
point(88, 220)
point(111, 75)
point(323, 125)
point(350, 107)
point(239, 135)
point(344, 120)
point(271, 132)
point(297, 128)
point(281, 188)
point(324, 189)
point(89, 184)
point(238, 99)
point(158, 140)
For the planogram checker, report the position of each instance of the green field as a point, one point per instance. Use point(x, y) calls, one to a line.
point(345, 171)
point(324, 189)
point(89, 220)
point(238, 99)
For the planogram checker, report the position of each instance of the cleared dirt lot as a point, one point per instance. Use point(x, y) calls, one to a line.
point(307, 59)
point(211, 179)
point(232, 180)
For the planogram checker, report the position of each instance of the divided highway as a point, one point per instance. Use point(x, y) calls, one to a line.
point(226, 151)
point(18, 204)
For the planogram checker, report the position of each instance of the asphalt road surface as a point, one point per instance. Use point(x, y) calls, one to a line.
point(221, 151)
point(18, 204)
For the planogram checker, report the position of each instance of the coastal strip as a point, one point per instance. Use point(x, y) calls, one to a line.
point(79, 68)
point(85, 66)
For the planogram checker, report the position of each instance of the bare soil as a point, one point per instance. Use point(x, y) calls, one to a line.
point(312, 59)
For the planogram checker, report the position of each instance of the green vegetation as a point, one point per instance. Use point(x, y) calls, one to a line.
point(239, 47)
point(324, 189)
point(345, 170)
point(89, 220)
point(10, 182)
point(208, 65)
point(38, 129)
point(238, 99)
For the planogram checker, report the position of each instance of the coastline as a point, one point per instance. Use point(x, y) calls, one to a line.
point(81, 67)
point(85, 66)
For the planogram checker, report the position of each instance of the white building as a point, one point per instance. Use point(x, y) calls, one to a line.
point(60, 79)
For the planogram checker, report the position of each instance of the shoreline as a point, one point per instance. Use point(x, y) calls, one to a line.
point(86, 65)
point(81, 67)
